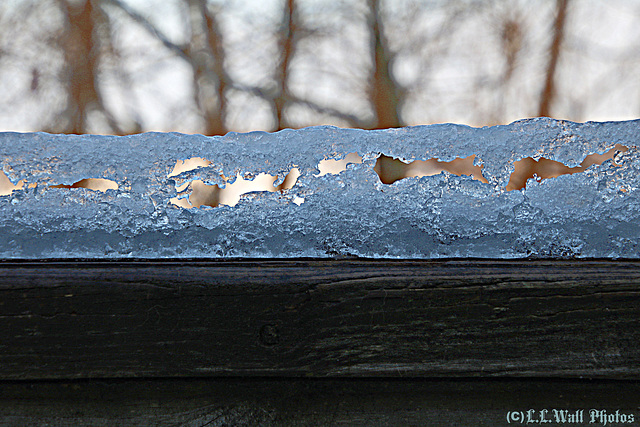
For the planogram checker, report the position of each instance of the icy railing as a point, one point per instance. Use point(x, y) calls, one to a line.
point(538, 187)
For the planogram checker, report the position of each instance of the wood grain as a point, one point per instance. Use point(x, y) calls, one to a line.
point(307, 402)
point(319, 318)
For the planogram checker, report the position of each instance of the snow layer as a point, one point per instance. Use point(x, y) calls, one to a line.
point(590, 214)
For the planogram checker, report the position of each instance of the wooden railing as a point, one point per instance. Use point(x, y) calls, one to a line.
point(316, 342)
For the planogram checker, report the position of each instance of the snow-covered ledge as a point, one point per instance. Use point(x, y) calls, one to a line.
point(325, 192)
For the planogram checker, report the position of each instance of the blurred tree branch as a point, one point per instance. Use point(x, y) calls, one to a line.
point(147, 25)
point(549, 91)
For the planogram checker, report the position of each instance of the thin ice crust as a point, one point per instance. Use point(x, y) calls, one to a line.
point(595, 213)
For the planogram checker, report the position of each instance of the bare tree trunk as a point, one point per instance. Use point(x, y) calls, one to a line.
point(549, 91)
point(207, 59)
point(287, 47)
point(81, 45)
point(214, 41)
point(81, 62)
point(383, 91)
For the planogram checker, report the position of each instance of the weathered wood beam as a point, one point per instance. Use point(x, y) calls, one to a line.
point(309, 402)
point(319, 318)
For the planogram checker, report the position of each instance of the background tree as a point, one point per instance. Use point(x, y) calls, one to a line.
point(384, 91)
point(124, 66)
point(549, 91)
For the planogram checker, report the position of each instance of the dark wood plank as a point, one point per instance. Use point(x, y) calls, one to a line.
point(89, 319)
point(313, 402)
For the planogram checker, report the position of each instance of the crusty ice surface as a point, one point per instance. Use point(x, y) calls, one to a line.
point(590, 214)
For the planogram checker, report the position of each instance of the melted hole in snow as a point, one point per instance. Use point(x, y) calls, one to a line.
point(391, 170)
point(334, 167)
point(96, 184)
point(528, 168)
point(189, 165)
point(213, 196)
point(7, 187)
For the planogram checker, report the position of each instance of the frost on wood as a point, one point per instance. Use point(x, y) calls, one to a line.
point(108, 197)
